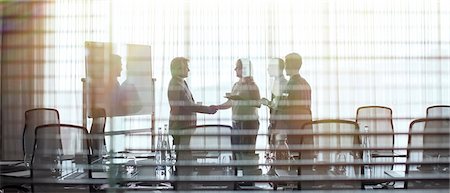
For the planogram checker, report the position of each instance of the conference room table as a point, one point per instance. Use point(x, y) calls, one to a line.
point(139, 174)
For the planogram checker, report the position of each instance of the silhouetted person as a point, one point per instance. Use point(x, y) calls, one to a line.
point(183, 109)
point(121, 99)
point(113, 98)
point(244, 101)
point(279, 82)
point(296, 101)
point(135, 76)
point(130, 98)
point(278, 86)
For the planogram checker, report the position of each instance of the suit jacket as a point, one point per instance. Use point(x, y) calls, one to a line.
point(295, 107)
point(298, 92)
point(183, 109)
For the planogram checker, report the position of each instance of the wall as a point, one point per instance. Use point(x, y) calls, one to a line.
point(21, 63)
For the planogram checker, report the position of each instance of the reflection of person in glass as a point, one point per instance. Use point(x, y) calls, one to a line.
point(129, 97)
point(121, 99)
point(278, 85)
point(244, 101)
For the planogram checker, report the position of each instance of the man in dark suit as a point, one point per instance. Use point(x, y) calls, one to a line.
point(183, 109)
point(296, 102)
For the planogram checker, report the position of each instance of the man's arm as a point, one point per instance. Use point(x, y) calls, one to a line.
point(203, 109)
point(225, 105)
point(181, 103)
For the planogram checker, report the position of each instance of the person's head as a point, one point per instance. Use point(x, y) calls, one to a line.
point(116, 66)
point(293, 63)
point(276, 67)
point(179, 67)
point(238, 68)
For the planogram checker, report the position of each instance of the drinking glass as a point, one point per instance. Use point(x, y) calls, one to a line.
point(27, 160)
point(131, 167)
point(226, 160)
point(341, 158)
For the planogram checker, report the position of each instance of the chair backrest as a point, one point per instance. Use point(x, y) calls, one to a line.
point(438, 111)
point(61, 152)
point(292, 119)
point(428, 142)
point(377, 119)
point(204, 138)
point(34, 118)
point(335, 138)
point(97, 134)
point(209, 142)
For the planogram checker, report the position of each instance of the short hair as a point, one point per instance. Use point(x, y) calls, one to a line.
point(239, 63)
point(293, 61)
point(175, 65)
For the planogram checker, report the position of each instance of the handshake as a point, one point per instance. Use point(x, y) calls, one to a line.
point(212, 109)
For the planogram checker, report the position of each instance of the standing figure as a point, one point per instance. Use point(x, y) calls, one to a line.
point(113, 97)
point(106, 91)
point(183, 109)
point(244, 103)
point(295, 104)
point(278, 86)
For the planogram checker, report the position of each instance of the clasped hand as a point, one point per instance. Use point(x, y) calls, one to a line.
point(212, 109)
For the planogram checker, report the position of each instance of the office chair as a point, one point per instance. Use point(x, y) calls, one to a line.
point(33, 118)
point(438, 111)
point(207, 143)
point(378, 119)
point(61, 152)
point(97, 135)
point(332, 141)
point(428, 143)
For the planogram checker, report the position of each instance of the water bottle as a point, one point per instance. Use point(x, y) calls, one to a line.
point(165, 149)
point(158, 156)
point(367, 154)
point(131, 166)
point(27, 160)
point(56, 169)
point(282, 150)
point(226, 159)
point(341, 169)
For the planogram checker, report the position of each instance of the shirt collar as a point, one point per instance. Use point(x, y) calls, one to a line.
point(178, 79)
point(295, 76)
